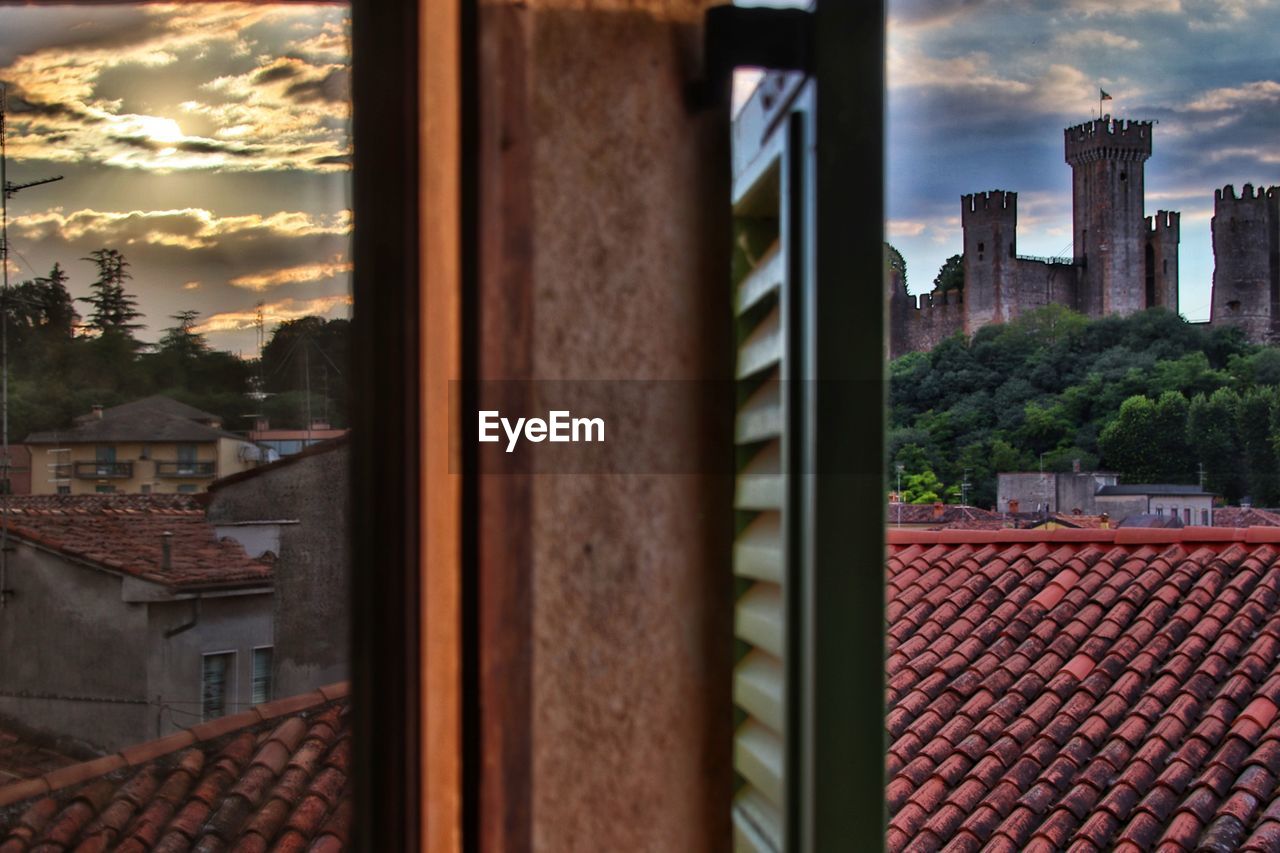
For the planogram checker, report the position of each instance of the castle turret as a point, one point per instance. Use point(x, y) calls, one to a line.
point(1109, 229)
point(990, 222)
point(1161, 262)
point(1246, 251)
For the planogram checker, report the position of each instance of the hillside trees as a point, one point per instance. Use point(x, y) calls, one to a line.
point(1148, 395)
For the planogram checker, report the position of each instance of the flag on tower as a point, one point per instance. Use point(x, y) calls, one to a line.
point(1102, 95)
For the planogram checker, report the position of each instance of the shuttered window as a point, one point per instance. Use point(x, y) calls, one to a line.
point(215, 683)
point(262, 674)
point(762, 198)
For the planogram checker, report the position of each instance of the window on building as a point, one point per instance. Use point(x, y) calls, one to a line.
point(262, 674)
point(146, 488)
point(1186, 515)
point(1159, 511)
point(187, 489)
point(101, 490)
point(1204, 517)
point(64, 490)
point(105, 457)
point(218, 672)
point(145, 452)
point(186, 458)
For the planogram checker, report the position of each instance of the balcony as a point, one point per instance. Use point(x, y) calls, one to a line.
point(185, 469)
point(104, 470)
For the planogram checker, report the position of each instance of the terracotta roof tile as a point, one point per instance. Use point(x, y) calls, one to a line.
point(124, 534)
point(275, 784)
point(1105, 690)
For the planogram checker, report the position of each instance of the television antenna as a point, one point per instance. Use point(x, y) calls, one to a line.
point(8, 190)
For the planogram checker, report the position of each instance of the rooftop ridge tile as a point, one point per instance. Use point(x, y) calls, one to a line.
point(141, 754)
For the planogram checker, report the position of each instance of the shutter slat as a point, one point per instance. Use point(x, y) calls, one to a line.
point(757, 553)
point(760, 417)
point(763, 280)
point(758, 756)
point(763, 347)
point(760, 617)
point(760, 484)
point(757, 689)
point(756, 823)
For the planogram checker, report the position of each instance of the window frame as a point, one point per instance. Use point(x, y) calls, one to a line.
point(253, 673)
point(230, 682)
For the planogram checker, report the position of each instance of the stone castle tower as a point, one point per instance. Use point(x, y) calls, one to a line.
point(1122, 260)
point(1246, 249)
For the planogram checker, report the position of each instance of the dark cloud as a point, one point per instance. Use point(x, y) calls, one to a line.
point(334, 87)
point(209, 146)
point(273, 73)
point(337, 160)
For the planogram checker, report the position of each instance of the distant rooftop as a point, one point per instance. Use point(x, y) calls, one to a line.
point(124, 534)
point(1155, 489)
point(155, 418)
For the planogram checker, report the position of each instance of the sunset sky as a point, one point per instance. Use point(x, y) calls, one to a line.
point(980, 91)
point(208, 143)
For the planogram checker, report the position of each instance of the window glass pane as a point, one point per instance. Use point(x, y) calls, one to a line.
point(179, 294)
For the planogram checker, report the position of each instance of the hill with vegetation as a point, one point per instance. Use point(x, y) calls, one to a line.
point(1150, 396)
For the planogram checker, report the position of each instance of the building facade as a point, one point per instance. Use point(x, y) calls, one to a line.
point(151, 446)
point(126, 619)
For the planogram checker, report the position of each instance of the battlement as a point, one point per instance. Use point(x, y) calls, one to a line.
point(1164, 220)
point(1108, 139)
point(996, 203)
point(935, 299)
point(1226, 197)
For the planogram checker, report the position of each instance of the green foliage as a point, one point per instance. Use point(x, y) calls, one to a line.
point(1148, 395)
point(893, 261)
point(950, 275)
point(56, 376)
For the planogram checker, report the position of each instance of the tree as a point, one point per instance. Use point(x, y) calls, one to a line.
point(113, 310)
point(1174, 462)
point(895, 263)
point(182, 340)
point(1213, 433)
point(1262, 473)
point(1128, 443)
point(950, 276)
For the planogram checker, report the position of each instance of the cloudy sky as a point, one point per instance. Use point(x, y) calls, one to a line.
point(980, 91)
point(209, 144)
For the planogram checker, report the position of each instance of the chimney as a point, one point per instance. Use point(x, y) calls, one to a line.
point(1075, 466)
point(1105, 521)
point(937, 509)
point(97, 410)
point(1013, 505)
point(166, 551)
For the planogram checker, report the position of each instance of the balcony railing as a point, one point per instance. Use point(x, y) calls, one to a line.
point(185, 469)
point(104, 470)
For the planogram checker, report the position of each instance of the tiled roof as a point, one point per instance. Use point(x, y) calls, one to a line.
point(1235, 516)
point(149, 419)
point(276, 777)
point(1069, 519)
point(319, 448)
point(1084, 689)
point(124, 533)
point(927, 514)
point(22, 757)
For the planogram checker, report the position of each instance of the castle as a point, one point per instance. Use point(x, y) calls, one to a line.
point(1123, 261)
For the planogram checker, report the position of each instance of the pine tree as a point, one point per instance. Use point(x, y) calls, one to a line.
point(113, 309)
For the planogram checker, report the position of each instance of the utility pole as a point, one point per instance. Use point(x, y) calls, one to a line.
point(7, 191)
point(899, 468)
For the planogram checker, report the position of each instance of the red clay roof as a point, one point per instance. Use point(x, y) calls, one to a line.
point(1084, 689)
point(1235, 516)
point(124, 533)
point(22, 756)
point(276, 777)
point(946, 514)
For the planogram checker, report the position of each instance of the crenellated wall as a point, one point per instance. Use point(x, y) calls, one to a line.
point(918, 324)
point(1246, 275)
